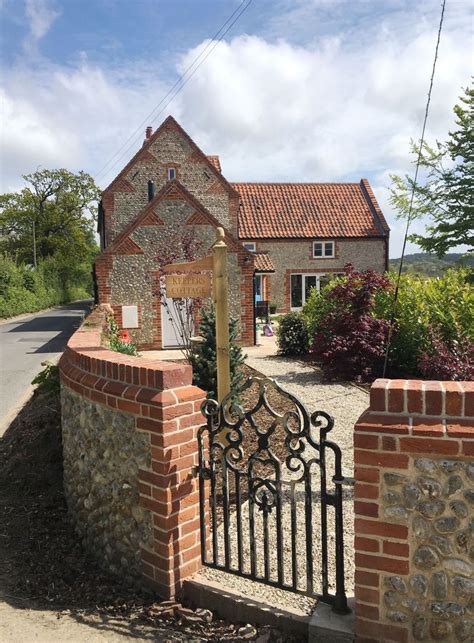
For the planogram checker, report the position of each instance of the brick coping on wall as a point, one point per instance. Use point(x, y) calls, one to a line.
point(409, 423)
point(85, 351)
point(166, 409)
point(423, 398)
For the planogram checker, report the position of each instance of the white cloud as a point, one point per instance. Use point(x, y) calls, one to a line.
point(76, 117)
point(324, 112)
point(31, 140)
point(277, 111)
point(340, 107)
point(40, 16)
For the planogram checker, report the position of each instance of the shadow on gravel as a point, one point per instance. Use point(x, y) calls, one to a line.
point(294, 374)
point(42, 563)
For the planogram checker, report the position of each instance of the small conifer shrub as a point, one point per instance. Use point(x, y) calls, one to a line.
point(203, 356)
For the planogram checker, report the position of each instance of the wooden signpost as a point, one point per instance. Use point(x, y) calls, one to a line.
point(192, 284)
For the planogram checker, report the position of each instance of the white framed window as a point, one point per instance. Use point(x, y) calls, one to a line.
point(323, 250)
point(301, 285)
point(300, 288)
point(250, 245)
point(171, 173)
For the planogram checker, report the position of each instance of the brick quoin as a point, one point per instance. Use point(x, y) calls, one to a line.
point(165, 405)
point(407, 419)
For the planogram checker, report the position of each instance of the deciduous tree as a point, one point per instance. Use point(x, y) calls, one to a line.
point(445, 193)
point(53, 215)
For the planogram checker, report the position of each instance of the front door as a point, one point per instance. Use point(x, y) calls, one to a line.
point(176, 320)
point(170, 325)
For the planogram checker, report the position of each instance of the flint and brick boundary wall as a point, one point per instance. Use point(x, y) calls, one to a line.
point(130, 444)
point(414, 512)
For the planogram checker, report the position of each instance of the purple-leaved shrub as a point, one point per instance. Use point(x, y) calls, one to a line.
point(447, 360)
point(349, 343)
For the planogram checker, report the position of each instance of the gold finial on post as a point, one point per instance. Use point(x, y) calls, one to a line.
point(220, 236)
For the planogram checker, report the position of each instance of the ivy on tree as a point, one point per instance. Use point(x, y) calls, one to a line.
point(446, 196)
point(203, 356)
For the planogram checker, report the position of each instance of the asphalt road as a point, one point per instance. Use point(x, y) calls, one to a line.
point(24, 344)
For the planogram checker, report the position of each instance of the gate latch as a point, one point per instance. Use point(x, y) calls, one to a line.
point(345, 482)
point(204, 472)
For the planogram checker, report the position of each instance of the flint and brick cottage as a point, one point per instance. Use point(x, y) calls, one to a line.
point(283, 238)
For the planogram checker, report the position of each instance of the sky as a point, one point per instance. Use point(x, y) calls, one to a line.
point(296, 90)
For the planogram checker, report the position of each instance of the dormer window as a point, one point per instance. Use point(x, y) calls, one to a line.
point(171, 173)
point(250, 245)
point(323, 249)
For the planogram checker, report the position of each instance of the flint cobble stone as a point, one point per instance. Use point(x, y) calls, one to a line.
point(103, 453)
point(437, 510)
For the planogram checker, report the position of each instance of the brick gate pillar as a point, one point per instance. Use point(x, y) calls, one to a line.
point(169, 489)
point(414, 507)
point(130, 446)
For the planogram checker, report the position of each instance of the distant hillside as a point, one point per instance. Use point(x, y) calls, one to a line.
point(431, 265)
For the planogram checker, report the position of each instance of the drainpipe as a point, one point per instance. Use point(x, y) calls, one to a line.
point(253, 312)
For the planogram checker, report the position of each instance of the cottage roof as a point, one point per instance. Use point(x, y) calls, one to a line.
point(309, 210)
point(216, 162)
point(263, 263)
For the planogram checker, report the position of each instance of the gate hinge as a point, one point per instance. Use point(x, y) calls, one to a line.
point(195, 471)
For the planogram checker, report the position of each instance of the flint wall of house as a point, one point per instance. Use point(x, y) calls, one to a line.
point(170, 149)
point(133, 278)
point(296, 256)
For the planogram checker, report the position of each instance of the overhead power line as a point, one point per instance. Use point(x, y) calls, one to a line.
point(188, 73)
point(410, 208)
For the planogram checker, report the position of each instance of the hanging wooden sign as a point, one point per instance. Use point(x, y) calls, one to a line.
point(200, 285)
point(207, 263)
point(188, 285)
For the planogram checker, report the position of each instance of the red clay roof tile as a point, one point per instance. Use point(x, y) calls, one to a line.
point(308, 210)
point(215, 162)
point(263, 263)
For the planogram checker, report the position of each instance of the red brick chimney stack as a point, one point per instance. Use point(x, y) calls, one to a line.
point(148, 132)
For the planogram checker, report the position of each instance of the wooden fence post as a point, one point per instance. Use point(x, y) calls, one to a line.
point(221, 303)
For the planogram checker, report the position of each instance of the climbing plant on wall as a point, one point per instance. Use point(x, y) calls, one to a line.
point(182, 313)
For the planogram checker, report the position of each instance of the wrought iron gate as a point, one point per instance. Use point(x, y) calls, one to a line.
point(269, 510)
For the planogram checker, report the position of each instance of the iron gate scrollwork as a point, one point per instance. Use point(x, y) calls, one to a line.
point(265, 494)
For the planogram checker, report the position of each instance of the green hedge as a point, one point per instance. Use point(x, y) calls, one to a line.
point(24, 290)
point(292, 335)
point(443, 306)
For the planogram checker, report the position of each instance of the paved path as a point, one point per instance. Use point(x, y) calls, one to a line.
point(27, 341)
point(24, 624)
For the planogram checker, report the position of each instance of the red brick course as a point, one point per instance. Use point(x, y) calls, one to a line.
point(165, 405)
point(422, 398)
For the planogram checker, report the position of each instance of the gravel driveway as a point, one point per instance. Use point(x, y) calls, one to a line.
point(345, 403)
